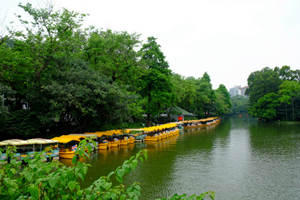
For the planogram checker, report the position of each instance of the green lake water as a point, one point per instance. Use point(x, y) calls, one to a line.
point(238, 159)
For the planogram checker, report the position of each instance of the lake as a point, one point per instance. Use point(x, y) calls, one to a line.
point(240, 158)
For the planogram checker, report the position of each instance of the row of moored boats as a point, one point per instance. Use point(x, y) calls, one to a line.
point(65, 146)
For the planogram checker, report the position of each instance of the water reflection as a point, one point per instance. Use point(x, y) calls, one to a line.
point(231, 158)
point(179, 168)
point(238, 159)
point(276, 159)
point(155, 174)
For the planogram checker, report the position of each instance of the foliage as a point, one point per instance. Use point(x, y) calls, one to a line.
point(185, 92)
point(202, 196)
point(113, 54)
point(274, 94)
point(265, 108)
point(83, 95)
point(239, 104)
point(49, 84)
point(261, 83)
point(289, 95)
point(285, 73)
point(156, 86)
point(36, 179)
point(206, 97)
point(56, 76)
point(223, 101)
point(198, 97)
point(288, 91)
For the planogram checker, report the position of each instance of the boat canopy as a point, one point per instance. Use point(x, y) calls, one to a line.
point(160, 127)
point(85, 135)
point(67, 138)
point(3, 143)
point(41, 141)
point(109, 133)
point(15, 142)
point(200, 120)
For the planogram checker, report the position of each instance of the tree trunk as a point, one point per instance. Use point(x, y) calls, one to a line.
point(148, 110)
point(293, 110)
point(286, 117)
point(148, 119)
point(18, 103)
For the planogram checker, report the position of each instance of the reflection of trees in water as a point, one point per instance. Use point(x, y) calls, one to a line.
point(155, 174)
point(106, 161)
point(241, 121)
point(222, 133)
point(275, 138)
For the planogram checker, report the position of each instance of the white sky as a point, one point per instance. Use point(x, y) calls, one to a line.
point(229, 39)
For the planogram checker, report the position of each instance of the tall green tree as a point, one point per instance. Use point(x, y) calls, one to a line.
point(205, 100)
point(52, 40)
point(157, 87)
point(185, 93)
point(114, 55)
point(223, 102)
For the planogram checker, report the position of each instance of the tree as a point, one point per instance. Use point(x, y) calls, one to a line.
point(57, 77)
point(185, 92)
point(239, 104)
point(223, 102)
point(52, 42)
point(114, 54)
point(261, 83)
point(280, 83)
point(157, 86)
point(50, 87)
point(205, 100)
point(288, 92)
point(285, 73)
point(266, 107)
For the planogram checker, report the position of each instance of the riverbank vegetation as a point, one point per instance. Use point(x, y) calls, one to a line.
point(239, 104)
point(274, 94)
point(57, 76)
point(34, 178)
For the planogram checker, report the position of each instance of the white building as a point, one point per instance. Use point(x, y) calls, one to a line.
point(238, 90)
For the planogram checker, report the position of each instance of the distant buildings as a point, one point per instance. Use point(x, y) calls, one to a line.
point(238, 90)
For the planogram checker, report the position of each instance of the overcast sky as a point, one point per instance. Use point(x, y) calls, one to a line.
point(228, 39)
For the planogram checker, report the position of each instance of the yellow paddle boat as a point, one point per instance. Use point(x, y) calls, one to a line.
point(153, 138)
point(124, 141)
point(103, 145)
point(67, 145)
point(131, 140)
point(114, 143)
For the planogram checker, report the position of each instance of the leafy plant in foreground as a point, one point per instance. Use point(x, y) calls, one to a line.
point(36, 179)
point(202, 196)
